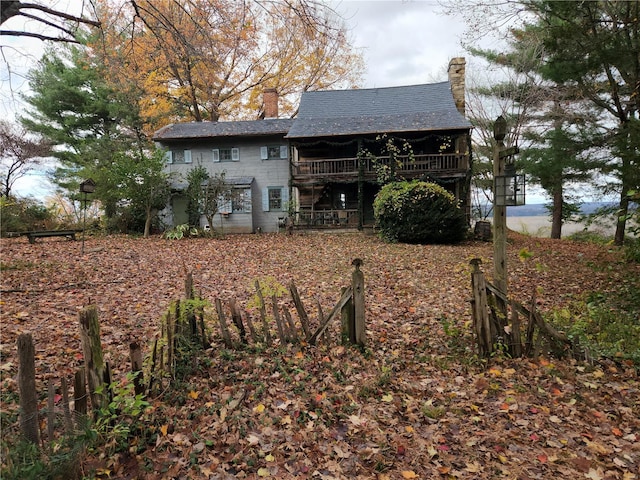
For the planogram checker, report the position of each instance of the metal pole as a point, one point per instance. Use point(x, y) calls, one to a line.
point(84, 220)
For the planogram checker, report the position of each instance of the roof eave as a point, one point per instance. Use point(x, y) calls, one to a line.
point(377, 132)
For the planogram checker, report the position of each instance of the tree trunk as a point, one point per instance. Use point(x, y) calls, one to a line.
point(556, 215)
point(147, 223)
point(621, 223)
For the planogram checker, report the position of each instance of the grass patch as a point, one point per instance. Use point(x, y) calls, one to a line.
point(587, 236)
point(606, 324)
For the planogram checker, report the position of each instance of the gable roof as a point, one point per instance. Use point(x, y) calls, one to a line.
point(244, 128)
point(425, 107)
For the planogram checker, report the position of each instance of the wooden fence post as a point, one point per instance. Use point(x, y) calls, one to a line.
point(263, 314)
point(357, 286)
point(276, 316)
point(93, 359)
point(135, 356)
point(226, 336)
point(68, 422)
point(80, 394)
point(481, 323)
point(348, 330)
point(304, 318)
point(27, 388)
point(51, 414)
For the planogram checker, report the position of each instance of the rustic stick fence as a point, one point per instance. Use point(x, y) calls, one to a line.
point(96, 373)
point(184, 325)
point(182, 328)
point(497, 324)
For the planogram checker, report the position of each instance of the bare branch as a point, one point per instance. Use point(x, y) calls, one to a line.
point(17, 33)
point(12, 8)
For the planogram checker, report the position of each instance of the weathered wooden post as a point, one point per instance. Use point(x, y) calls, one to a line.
point(499, 210)
point(481, 324)
point(51, 414)
point(135, 356)
point(357, 285)
point(348, 330)
point(27, 388)
point(226, 336)
point(80, 394)
point(68, 422)
point(93, 359)
point(304, 318)
point(263, 314)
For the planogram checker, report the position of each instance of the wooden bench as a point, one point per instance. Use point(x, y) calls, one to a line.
point(70, 234)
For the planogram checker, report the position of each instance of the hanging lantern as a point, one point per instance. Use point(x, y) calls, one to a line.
point(509, 188)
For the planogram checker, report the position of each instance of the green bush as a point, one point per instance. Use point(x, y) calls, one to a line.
point(632, 250)
point(606, 324)
point(419, 212)
point(23, 215)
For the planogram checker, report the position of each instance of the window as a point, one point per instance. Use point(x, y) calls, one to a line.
point(241, 200)
point(274, 152)
point(275, 199)
point(226, 154)
point(178, 156)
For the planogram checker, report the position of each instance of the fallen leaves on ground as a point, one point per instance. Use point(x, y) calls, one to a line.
point(416, 403)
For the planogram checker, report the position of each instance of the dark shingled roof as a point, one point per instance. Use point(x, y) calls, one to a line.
point(425, 107)
point(245, 128)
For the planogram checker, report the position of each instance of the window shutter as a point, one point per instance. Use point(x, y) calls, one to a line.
point(264, 155)
point(187, 156)
point(265, 200)
point(235, 154)
point(285, 198)
point(169, 156)
point(216, 155)
point(284, 151)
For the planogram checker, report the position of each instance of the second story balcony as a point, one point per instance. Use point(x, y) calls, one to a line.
point(406, 166)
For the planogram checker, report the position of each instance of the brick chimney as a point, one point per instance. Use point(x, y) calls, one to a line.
point(456, 79)
point(270, 103)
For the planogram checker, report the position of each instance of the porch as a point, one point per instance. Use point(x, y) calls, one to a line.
point(311, 170)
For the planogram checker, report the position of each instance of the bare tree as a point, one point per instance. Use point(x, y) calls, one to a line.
point(41, 15)
point(19, 153)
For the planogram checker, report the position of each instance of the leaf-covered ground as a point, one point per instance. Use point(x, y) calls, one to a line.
point(417, 403)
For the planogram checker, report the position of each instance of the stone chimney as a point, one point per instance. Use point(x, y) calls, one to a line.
point(270, 103)
point(456, 79)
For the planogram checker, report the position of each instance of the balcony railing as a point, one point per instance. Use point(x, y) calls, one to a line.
point(404, 165)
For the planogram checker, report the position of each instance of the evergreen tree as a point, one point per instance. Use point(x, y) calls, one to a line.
point(546, 119)
point(594, 48)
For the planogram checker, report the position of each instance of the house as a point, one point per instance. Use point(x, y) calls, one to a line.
point(254, 157)
point(322, 169)
point(336, 186)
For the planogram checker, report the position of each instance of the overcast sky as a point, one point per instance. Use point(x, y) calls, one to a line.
point(403, 42)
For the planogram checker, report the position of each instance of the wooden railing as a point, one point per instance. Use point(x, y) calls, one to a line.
point(327, 218)
point(404, 165)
